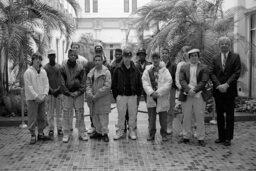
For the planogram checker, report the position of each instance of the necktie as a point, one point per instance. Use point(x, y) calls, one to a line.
point(224, 61)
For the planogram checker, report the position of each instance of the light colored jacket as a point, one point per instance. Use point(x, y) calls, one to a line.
point(35, 83)
point(164, 85)
point(99, 85)
point(177, 74)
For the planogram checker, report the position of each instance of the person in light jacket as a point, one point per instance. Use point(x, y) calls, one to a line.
point(99, 97)
point(157, 81)
point(36, 90)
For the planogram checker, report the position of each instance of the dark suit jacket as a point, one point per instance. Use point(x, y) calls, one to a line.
point(230, 75)
point(202, 76)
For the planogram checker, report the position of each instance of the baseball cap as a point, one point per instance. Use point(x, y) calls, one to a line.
point(141, 50)
point(51, 51)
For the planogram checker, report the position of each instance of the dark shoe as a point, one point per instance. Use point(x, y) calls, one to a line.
point(96, 135)
point(150, 138)
point(164, 138)
point(105, 138)
point(227, 143)
point(42, 137)
point(201, 143)
point(60, 132)
point(33, 139)
point(184, 140)
point(218, 141)
point(51, 133)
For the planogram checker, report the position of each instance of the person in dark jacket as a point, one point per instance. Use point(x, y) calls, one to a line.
point(126, 88)
point(171, 66)
point(225, 72)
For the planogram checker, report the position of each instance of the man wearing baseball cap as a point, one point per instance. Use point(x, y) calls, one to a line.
point(54, 96)
point(193, 95)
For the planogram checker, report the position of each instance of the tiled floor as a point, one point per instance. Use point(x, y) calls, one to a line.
point(125, 154)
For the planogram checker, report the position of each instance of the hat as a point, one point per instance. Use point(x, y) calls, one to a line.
point(193, 51)
point(141, 50)
point(98, 48)
point(51, 51)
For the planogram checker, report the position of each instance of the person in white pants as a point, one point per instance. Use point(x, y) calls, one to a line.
point(193, 95)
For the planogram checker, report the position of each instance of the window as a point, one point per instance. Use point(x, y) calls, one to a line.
point(87, 6)
point(95, 6)
point(134, 5)
point(126, 5)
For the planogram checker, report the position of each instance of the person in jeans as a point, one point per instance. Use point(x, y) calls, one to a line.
point(157, 81)
point(171, 66)
point(54, 96)
point(99, 97)
point(193, 96)
point(73, 87)
point(36, 90)
point(126, 87)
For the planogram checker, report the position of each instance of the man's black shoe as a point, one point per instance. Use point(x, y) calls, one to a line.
point(51, 133)
point(105, 138)
point(218, 141)
point(201, 143)
point(96, 135)
point(227, 143)
point(184, 140)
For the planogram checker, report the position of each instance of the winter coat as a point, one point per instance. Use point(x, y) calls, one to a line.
point(164, 85)
point(99, 85)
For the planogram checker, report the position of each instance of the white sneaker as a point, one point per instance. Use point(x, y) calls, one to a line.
point(91, 130)
point(65, 138)
point(119, 135)
point(213, 122)
point(83, 136)
point(169, 131)
point(133, 135)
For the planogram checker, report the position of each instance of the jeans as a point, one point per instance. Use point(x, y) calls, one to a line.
point(152, 122)
point(54, 107)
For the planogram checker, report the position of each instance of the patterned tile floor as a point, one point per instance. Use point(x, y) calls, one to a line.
point(126, 154)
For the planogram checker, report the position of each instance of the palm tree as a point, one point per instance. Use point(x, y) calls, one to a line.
point(196, 23)
point(19, 22)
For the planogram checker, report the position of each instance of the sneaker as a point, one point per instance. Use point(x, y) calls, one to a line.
point(105, 138)
point(119, 135)
point(92, 130)
point(164, 138)
point(132, 135)
point(201, 143)
point(213, 122)
point(60, 132)
point(83, 136)
point(96, 135)
point(51, 133)
point(150, 138)
point(169, 131)
point(65, 138)
point(33, 139)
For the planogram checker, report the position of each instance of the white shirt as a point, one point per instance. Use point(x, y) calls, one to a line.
point(35, 83)
point(192, 78)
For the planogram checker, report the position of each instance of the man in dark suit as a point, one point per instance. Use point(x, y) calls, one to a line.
point(225, 71)
point(193, 95)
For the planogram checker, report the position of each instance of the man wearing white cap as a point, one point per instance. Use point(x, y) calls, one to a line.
point(54, 96)
point(193, 95)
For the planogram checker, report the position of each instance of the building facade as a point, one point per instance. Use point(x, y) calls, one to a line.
point(245, 27)
point(108, 21)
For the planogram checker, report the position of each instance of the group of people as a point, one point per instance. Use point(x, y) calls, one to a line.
point(63, 89)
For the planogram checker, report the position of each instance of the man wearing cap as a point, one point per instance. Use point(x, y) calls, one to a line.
point(54, 96)
point(225, 72)
point(73, 87)
point(171, 66)
point(36, 90)
point(157, 81)
point(126, 88)
point(193, 95)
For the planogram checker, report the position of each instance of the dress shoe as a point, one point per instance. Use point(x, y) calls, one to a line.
point(33, 139)
point(96, 135)
point(105, 138)
point(201, 143)
point(218, 141)
point(184, 140)
point(150, 138)
point(43, 137)
point(227, 143)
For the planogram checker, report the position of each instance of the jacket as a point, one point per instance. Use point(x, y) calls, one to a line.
point(118, 87)
point(99, 86)
point(72, 79)
point(202, 76)
point(163, 88)
point(35, 83)
point(172, 67)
